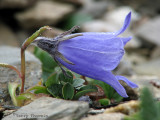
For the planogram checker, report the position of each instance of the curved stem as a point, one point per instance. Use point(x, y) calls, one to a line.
point(26, 43)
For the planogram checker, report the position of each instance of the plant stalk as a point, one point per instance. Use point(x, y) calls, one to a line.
point(26, 43)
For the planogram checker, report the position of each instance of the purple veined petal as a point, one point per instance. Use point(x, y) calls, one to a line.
point(131, 84)
point(93, 53)
point(100, 44)
point(111, 34)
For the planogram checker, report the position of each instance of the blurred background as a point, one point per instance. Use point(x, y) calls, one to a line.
point(19, 19)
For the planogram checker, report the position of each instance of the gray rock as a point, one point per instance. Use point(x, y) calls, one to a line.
point(136, 57)
point(151, 67)
point(95, 8)
point(109, 116)
point(94, 111)
point(16, 3)
point(43, 13)
point(98, 26)
point(47, 108)
point(149, 31)
point(143, 6)
point(11, 55)
point(155, 53)
point(8, 37)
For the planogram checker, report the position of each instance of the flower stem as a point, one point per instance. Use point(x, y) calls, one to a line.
point(22, 69)
point(26, 43)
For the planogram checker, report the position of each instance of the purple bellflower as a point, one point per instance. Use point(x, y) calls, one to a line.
point(91, 54)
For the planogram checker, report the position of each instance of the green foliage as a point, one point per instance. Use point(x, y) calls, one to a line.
point(48, 64)
point(55, 90)
point(38, 89)
point(67, 87)
point(149, 108)
point(68, 91)
point(104, 102)
point(19, 100)
point(63, 78)
point(110, 93)
point(85, 89)
point(12, 87)
point(77, 82)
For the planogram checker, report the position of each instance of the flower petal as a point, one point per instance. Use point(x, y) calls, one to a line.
point(111, 34)
point(125, 40)
point(97, 73)
point(125, 25)
point(111, 80)
point(83, 52)
point(131, 84)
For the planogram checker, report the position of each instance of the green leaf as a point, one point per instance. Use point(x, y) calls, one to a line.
point(84, 90)
point(117, 97)
point(149, 108)
point(44, 91)
point(68, 91)
point(108, 90)
point(38, 89)
point(48, 64)
point(45, 76)
point(78, 82)
point(55, 90)
point(104, 101)
point(88, 87)
point(135, 116)
point(12, 87)
point(66, 79)
point(26, 96)
point(52, 79)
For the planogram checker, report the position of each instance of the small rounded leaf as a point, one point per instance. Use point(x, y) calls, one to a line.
point(84, 90)
point(78, 82)
point(66, 78)
point(68, 91)
point(55, 90)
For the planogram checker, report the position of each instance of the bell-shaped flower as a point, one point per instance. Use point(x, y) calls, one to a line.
point(92, 54)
